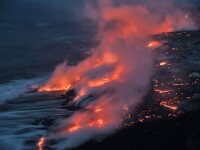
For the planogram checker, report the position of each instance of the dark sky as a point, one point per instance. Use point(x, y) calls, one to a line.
point(192, 2)
point(38, 10)
point(51, 10)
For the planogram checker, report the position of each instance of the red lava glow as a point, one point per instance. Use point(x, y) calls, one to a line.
point(40, 144)
point(114, 76)
point(98, 110)
point(162, 91)
point(125, 107)
point(131, 24)
point(81, 93)
point(49, 89)
point(168, 105)
point(154, 44)
point(97, 123)
point(119, 68)
point(164, 63)
point(74, 128)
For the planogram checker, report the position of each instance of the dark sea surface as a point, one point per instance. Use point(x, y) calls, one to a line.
point(37, 35)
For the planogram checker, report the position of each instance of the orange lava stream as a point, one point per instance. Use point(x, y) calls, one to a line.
point(113, 77)
point(75, 127)
point(81, 93)
point(168, 105)
point(49, 89)
point(40, 144)
point(98, 110)
point(164, 63)
point(153, 44)
point(162, 91)
point(97, 123)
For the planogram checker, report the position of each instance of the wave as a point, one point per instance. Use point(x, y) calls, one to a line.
point(15, 88)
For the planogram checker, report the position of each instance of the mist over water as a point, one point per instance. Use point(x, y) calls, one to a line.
point(13, 89)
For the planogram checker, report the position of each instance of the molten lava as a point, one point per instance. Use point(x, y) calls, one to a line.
point(164, 63)
point(119, 68)
point(97, 123)
point(81, 94)
point(98, 110)
point(114, 76)
point(154, 44)
point(162, 91)
point(168, 105)
point(74, 128)
point(40, 144)
point(49, 89)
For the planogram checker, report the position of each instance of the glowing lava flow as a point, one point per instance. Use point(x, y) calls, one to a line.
point(81, 93)
point(164, 63)
point(97, 123)
point(168, 105)
point(153, 44)
point(40, 144)
point(98, 110)
point(48, 89)
point(162, 91)
point(111, 78)
point(74, 128)
point(118, 71)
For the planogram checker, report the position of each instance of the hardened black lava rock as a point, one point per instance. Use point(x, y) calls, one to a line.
point(69, 95)
point(182, 133)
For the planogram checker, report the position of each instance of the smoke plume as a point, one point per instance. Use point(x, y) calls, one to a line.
point(115, 78)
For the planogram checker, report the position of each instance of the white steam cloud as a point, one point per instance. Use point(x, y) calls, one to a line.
point(118, 72)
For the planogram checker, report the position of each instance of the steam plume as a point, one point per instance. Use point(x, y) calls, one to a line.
point(118, 72)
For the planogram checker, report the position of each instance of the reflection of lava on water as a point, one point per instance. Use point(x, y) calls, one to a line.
point(109, 84)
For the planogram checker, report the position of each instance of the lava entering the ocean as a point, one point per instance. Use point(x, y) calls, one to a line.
point(117, 73)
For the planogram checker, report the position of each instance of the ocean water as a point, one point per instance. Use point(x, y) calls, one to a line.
point(35, 36)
